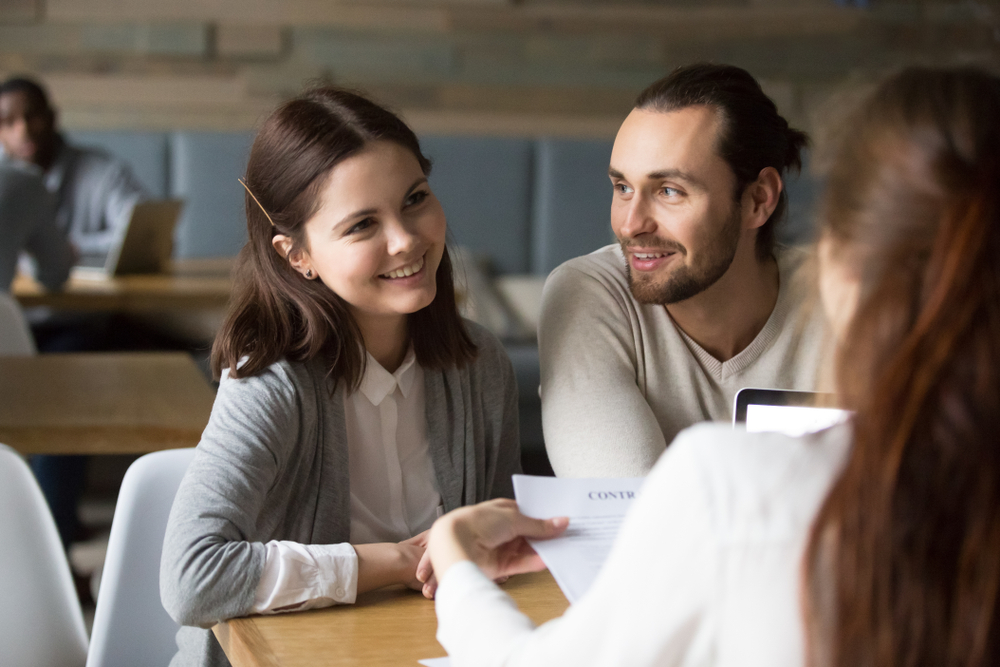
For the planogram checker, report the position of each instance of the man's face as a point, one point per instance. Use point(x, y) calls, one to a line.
point(673, 209)
point(26, 126)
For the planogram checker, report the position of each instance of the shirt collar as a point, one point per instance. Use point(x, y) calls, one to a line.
point(378, 383)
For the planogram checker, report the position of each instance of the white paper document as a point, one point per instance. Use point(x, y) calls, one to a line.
point(595, 508)
point(435, 662)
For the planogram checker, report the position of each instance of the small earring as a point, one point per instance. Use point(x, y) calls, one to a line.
point(309, 274)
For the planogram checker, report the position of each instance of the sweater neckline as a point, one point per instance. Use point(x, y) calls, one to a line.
point(723, 370)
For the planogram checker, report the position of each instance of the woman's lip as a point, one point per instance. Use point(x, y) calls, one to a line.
point(423, 265)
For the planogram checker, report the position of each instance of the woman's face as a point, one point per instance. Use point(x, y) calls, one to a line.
point(378, 237)
point(838, 288)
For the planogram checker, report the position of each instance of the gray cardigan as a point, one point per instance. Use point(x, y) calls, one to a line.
point(272, 465)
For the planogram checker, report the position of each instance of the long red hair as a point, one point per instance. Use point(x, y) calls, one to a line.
point(903, 564)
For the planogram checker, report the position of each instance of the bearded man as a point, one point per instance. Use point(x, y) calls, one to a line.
point(643, 338)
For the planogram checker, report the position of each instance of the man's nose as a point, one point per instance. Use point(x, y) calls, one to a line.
point(19, 127)
point(638, 217)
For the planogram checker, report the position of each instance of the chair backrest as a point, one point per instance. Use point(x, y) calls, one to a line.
point(41, 623)
point(130, 625)
point(15, 337)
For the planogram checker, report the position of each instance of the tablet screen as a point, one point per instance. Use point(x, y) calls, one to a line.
point(790, 412)
point(792, 420)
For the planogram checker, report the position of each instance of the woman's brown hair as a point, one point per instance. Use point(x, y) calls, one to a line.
point(903, 564)
point(274, 311)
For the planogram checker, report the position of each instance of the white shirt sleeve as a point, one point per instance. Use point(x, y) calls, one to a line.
point(306, 576)
point(648, 606)
point(706, 569)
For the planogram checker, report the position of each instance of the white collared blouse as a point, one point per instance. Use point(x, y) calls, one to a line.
point(394, 493)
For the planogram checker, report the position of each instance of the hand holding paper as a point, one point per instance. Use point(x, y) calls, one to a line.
point(493, 535)
point(596, 508)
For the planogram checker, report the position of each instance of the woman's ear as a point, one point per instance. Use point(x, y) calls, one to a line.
point(298, 259)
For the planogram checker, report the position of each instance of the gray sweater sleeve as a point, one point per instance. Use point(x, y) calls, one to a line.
point(212, 553)
point(27, 222)
point(498, 392)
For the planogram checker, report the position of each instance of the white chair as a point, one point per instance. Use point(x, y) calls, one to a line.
point(41, 624)
point(15, 336)
point(130, 625)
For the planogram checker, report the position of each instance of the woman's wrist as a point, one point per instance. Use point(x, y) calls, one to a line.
point(382, 564)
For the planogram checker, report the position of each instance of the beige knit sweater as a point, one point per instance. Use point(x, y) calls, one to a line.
point(620, 380)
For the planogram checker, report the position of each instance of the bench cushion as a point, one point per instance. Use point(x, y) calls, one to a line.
point(484, 185)
point(204, 170)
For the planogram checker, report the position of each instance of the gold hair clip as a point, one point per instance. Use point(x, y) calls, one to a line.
point(243, 183)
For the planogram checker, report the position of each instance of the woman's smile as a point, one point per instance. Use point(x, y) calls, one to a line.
point(412, 270)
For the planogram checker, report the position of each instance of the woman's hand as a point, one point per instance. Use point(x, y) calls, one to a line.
point(493, 535)
point(385, 563)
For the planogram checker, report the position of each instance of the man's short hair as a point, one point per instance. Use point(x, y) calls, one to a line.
point(21, 84)
point(752, 136)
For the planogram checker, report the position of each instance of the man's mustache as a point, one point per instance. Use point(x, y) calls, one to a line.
point(651, 244)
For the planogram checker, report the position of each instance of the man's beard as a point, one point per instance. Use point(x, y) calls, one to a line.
point(685, 281)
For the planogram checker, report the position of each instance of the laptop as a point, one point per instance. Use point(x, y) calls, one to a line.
point(786, 411)
point(143, 245)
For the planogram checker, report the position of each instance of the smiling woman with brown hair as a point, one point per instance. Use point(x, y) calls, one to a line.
point(888, 528)
point(355, 404)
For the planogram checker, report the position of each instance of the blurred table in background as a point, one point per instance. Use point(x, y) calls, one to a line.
point(102, 403)
point(187, 302)
point(387, 627)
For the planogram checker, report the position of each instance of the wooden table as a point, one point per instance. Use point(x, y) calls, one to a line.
point(187, 303)
point(388, 627)
point(190, 284)
point(102, 403)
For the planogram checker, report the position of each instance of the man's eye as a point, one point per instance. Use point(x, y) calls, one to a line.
point(671, 192)
point(621, 188)
point(416, 198)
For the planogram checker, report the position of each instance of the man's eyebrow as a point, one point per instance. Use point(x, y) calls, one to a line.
point(676, 174)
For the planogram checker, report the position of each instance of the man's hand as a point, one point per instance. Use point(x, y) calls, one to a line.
point(493, 535)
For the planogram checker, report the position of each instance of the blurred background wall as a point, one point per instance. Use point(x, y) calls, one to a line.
point(505, 67)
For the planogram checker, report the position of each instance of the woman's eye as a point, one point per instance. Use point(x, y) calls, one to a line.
point(416, 198)
point(361, 226)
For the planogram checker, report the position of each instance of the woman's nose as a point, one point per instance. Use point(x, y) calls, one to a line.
point(401, 238)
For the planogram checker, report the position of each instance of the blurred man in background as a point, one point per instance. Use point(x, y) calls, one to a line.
point(94, 191)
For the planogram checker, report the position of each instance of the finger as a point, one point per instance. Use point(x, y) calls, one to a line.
point(430, 588)
point(424, 568)
point(419, 539)
point(541, 529)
